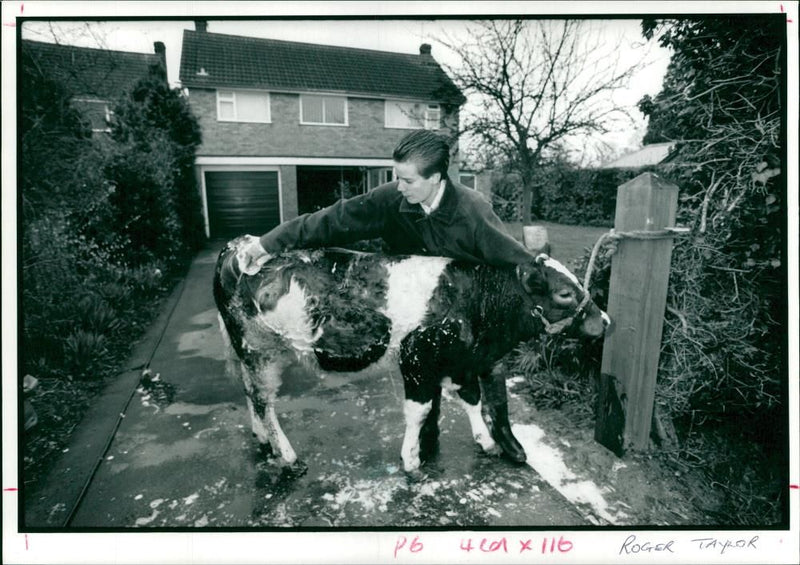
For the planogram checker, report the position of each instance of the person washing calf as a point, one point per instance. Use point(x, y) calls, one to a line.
point(451, 231)
point(441, 323)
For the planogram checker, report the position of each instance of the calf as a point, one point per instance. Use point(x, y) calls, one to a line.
point(443, 322)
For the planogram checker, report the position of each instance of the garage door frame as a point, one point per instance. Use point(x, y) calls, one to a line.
point(203, 169)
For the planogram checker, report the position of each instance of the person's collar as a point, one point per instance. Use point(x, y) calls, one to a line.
point(445, 212)
point(436, 199)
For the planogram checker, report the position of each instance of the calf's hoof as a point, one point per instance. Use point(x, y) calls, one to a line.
point(294, 470)
point(416, 476)
point(411, 464)
point(501, 432)
point(509, 444)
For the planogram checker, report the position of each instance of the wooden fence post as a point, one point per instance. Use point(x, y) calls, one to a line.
point(636, 302)
point(535, 239)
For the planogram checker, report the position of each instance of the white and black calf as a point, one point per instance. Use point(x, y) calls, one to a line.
point(444, 323)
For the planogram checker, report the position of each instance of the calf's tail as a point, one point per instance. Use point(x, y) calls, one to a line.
point(226, 276)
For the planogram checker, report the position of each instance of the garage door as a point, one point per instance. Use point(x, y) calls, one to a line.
point(242, 202)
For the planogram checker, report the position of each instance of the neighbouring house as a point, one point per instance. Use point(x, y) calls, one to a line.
point(290, 127)
point(648, 156)
point(95, 78)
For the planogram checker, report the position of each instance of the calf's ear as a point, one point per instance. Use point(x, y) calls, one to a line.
point(532, 278)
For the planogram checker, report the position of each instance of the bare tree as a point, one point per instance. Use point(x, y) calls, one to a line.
point(536, 83)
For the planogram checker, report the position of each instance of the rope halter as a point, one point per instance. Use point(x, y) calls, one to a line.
point(553, 328)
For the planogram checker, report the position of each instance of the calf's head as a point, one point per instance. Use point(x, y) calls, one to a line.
point(557, 298)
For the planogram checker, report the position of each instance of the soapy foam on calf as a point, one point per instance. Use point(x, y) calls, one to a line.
point(289, 319)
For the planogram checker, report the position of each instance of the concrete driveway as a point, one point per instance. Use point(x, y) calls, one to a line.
point(180, 453)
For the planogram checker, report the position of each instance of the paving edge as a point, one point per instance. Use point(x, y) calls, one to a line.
point(51, 504)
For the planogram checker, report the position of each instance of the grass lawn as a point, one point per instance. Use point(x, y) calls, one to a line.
point(567, 243)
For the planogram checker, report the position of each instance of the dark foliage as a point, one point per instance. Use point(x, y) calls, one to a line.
point(106, 223)
point(157, 121)
point(722, 98)
point(52, 133)
point(722, 371)
point(107, 226)
point(582, 196)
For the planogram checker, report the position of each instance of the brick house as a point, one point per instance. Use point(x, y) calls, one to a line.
point(290, 127)
point(95, 78)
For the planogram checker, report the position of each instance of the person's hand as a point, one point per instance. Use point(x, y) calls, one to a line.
point(251, 255)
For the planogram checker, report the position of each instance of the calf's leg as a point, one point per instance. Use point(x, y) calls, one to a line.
point(420, 352)
point(493, 384)
point(429, 435)
point(261, 385)
point(470, 397)
point(415, 414)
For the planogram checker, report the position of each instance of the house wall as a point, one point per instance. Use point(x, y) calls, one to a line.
point(364, 137)
point(285, 143)
point(288, 192)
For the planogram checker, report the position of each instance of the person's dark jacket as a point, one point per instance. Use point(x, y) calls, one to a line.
point(463, 227)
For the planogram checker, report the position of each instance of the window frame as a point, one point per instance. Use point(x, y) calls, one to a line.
point(232, 99)
point(425, 119)
point(345, 100)
point(428, 109)
point(474, 180)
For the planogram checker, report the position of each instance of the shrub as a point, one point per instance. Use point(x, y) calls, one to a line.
point(507, 196)
point(157, 121)
point(86, 353)
point(722, 95)
point(568, 195)
point(106, 224)
point(582, 196)
point(144, 212)
point(96, 314)
point(555, 369)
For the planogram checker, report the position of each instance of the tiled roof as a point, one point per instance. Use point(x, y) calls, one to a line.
point(86, 72)
point(213, 60)
point(651, 154)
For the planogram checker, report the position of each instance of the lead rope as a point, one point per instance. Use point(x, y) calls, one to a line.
point(615, 237)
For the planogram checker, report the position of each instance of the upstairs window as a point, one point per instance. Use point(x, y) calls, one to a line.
point(468, 180)
point(98, 112)
point(243, 106)
point(323, 110)
point(412, 115)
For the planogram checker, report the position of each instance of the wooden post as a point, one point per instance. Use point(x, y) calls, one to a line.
point(636, 302)
point(535, 239)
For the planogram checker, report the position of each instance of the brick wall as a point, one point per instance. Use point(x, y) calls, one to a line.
point(364, 137)
point(288, 192)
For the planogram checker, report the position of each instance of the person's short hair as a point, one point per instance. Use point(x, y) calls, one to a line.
point(429, 150)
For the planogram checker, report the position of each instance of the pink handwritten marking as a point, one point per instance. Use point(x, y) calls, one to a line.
point(21, 11)
point(26, 542)
point(796, 487)
point(788, 21)
point(415, 547)
point(11, 489)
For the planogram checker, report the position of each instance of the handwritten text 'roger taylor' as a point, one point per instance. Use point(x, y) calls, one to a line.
point(633, 545)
